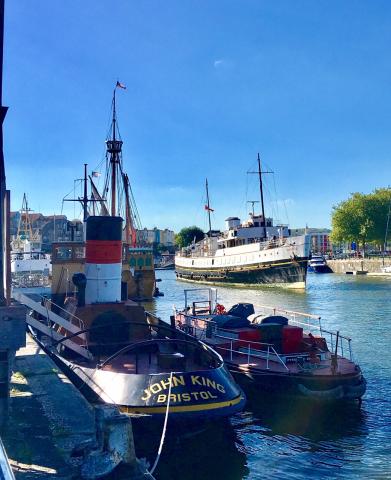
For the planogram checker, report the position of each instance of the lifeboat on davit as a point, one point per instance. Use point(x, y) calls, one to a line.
point(116, 352)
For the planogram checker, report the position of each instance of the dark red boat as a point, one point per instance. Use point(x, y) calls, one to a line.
point(274, 350)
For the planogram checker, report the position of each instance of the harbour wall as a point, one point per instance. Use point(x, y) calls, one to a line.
point(52, 431)
point(371, 265)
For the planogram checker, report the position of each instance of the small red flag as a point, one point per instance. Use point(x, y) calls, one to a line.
point(120, 85)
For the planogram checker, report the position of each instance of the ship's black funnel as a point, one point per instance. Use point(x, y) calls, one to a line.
point(80, 280)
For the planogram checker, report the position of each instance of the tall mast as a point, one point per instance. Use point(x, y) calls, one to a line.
point(130, 230)
point(261, 190)
point(113, 161)
point(387, 226)
point(114, 148)
point(208, 206)
point(3, 219)
point(85, 195)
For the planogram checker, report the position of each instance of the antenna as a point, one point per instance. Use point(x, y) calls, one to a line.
point(252, 203)
point(259, 173)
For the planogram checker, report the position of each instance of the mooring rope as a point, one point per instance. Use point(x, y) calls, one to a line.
point(164, 429)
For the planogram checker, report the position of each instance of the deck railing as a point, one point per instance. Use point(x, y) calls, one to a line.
point(312, 324)
point(210, 328)
point(203, 328)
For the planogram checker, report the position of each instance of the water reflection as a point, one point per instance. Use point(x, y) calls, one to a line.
point(213, 454)
point(300, 438)
point(195, 451)
point(282, 438)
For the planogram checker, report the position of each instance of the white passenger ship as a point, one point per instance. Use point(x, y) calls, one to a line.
point(242, 256)
point(250, 253)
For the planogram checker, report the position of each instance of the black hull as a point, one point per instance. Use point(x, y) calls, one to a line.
point(204, 395)
point(278, 273)
point(311, 387)
point(320, 269)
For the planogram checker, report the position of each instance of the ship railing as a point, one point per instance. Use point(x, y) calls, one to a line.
point(312, 324)
point(266, 352)
point(44, 309)
point(76, 321)
point(305, 320)
point(210, 298)
point(342, 348)
point(202, 329)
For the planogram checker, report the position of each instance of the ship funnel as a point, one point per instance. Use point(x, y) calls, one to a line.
point(103, 259)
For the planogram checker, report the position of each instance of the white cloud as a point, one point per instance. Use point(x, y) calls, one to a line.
point(223, 63)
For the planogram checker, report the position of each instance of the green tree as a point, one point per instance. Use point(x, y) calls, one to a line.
point(362, 218)
point(187, 235)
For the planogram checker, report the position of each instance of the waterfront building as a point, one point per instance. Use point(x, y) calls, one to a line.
point(320, 239)
point(320, 242)
point(49, 228)
point(156, 236)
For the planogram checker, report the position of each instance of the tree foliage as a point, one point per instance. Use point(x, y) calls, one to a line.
point(362, 218)
point(187, 235)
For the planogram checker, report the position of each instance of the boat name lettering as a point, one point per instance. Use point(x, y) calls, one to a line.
point(180, 380)
point(186, 397)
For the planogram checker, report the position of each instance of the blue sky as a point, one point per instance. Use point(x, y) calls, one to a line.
point(209, 84)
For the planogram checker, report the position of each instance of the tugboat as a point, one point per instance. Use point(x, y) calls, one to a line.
point(278, 351)
point(115, 199)
point(116, 352)
point(254, 252)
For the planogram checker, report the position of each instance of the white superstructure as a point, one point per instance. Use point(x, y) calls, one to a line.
point(247, 252)
point(30, 260)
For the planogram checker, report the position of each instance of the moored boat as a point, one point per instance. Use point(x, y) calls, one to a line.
point(254, 252)
point(278, 351)
point(318, 264)
point(116, 352)
point(30, 266)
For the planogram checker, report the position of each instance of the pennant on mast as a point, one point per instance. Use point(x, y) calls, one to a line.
point(120, 85)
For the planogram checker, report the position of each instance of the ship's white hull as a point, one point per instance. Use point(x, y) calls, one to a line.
point(252, 264)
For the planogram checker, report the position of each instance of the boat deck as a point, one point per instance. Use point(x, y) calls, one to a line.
point(144, 363)
point(167, 359)
point(244, 361)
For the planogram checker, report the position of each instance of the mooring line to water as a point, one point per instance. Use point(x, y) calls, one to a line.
point(164, 429)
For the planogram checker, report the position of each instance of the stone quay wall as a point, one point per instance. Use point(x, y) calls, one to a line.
point(372, 265)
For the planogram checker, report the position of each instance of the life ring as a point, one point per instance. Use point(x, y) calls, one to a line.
point(220, 309)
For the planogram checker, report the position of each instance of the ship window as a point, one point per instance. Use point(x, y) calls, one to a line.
point(132, 262)
point(192, 262)
point(79, 252)
point(63, 253)
point(213, 262)
point(140, 262)
point(148, 262)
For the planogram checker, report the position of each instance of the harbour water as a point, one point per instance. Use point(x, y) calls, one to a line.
point(275, 438)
